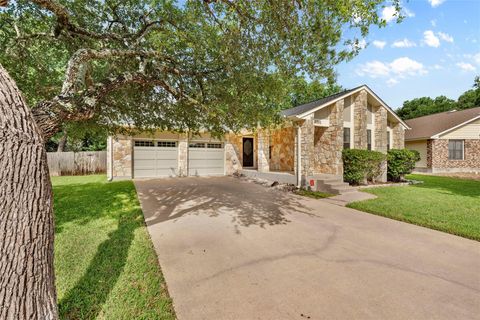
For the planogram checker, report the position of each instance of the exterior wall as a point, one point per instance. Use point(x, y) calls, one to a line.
point(468, 131)
point(307, 132)
point(379, 137)
point(122, 150)
point(360, 120)
point(263, 150)
point(421, 147)
point(183, 155)
point(441, 163)
point(398, 136)
point(328, 143)
point(282, 149)
point(233, 153)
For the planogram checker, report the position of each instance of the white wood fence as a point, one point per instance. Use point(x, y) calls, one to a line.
point(77, 163)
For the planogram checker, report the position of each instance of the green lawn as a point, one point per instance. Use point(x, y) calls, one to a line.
point(447, 204)
point(313, 194)
point(105, 264)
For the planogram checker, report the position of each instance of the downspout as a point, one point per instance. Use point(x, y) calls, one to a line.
point(110, 142)
point(299, 157)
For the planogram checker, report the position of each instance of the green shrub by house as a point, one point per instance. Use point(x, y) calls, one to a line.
point(400, 163)
point(361, 165)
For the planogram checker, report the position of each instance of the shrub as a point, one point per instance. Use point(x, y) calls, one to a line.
point(361, 165)
point(400, 163)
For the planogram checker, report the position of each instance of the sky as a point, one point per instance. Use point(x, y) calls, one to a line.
point(434, 51)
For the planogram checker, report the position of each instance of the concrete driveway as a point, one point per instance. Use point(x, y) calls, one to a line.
point(232, 249)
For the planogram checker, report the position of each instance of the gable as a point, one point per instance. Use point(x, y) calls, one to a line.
point(468, 131)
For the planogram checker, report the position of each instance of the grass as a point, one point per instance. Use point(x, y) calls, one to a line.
point(443, 203)
point(313, 194)
point(105, 264)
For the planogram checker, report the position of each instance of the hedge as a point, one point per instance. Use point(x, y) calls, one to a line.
point(361, 165)
point(400, 163)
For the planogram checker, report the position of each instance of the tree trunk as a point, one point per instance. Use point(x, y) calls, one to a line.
point(62, 143)
point(27, 283)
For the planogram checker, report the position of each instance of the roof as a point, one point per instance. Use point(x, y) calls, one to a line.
point(301, 110)
point(428, 126)
point(295, 111)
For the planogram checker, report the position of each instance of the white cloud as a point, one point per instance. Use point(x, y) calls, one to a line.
point(433, 23)
point(405, 43)
point(379, 44)
point(435, 3)
point(437, 67)
point(431, 39)
point(445, 37)
point(466, 66)
point(408, 13)
point(476, 58)
point(398, 68)
point(388, 13)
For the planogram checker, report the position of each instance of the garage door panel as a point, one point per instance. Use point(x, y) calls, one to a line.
point(144, 173)
point(155, 162)
point(205, 162)
point(205, 154)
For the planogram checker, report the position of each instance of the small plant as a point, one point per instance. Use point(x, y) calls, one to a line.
point(400, 163)
point(360, 165)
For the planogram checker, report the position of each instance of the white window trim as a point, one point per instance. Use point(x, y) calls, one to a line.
point(463, 149)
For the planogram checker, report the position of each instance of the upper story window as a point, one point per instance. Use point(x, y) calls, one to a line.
point(346, 138)
point(455, 149)
point(388, 140)
point(369, 139)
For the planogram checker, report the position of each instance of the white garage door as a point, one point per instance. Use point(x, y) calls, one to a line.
point(206, 159)
point(155, 159)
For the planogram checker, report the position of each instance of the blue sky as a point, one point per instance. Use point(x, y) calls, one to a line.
point(434, 51)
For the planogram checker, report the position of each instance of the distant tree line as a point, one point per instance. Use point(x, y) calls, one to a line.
point(425, 105)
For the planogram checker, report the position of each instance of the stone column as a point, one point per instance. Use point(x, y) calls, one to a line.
point(263, 151)
point(380, 137)
point(398, 136)
point(307, 148)
point(182, 170)
point(360, 120)
point(122, 157)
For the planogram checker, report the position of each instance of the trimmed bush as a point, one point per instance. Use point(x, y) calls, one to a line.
point(361, 165)
point(400, 163)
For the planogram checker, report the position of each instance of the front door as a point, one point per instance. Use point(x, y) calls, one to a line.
point(248, 152)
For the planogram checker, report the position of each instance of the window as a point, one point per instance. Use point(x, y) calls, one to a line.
point(214, 145)
point(346, 138)
point(144, 143)
point(197, 145)
point(388, 140)
point(455, 149)
point(166, 144)
point(369, 139)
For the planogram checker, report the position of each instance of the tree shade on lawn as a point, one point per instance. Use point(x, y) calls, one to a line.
point(447, 204)
point(105, 263)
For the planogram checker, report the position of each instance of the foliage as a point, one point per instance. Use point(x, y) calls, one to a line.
point(80, 137)
point(401, 162)
point(361, 165)
point(313, 194)
point(212, 65)
point(301, 91)
point(425, 105)
point(446, 204)
point(114, 273)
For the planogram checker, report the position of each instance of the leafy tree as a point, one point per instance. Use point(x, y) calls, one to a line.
point(213, 64)
point(425, 105)
point(302, 91)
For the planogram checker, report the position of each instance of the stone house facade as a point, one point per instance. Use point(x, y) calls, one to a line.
point(447, 141)
point(309, 142)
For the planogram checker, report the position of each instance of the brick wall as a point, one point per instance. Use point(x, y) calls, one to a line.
point(438, 151)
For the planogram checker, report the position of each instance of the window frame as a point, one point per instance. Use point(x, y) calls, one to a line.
point(388, 140)
point(346, 142)
point(166, 144)
point(369, 139)
point(144, 143)
point(453, 153)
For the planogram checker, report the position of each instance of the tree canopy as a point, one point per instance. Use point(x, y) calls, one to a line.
point(425, 105)
point(211, 64)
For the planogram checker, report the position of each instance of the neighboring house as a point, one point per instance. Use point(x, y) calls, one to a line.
point(447, 141)
point(309, 142)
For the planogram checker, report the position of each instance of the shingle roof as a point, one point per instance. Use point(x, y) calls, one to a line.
point(428, 126)
point(295, 111)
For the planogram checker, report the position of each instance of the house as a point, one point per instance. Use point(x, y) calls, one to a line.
point(447, 141)
point(308, 143)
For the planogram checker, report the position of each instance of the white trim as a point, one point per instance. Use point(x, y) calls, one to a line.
point(436, 136)
point(364, 87)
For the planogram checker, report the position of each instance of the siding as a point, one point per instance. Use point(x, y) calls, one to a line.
point(421, 147)
point(468, 131)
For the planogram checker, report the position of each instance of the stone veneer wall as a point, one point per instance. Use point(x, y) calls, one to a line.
point(398, 139)
point(360, 120)
point(282, 148)
point(263, 150)
point(182, 155)
point(380, 137)
point(122, 157)
point(233, 153)
point(307, 133)
point(439, 155)
point(328, 143)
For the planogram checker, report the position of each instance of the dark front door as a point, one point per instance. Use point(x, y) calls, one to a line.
point(248, 152)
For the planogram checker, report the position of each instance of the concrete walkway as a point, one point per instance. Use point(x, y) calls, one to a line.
point(346, 198)
point(230, 249)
